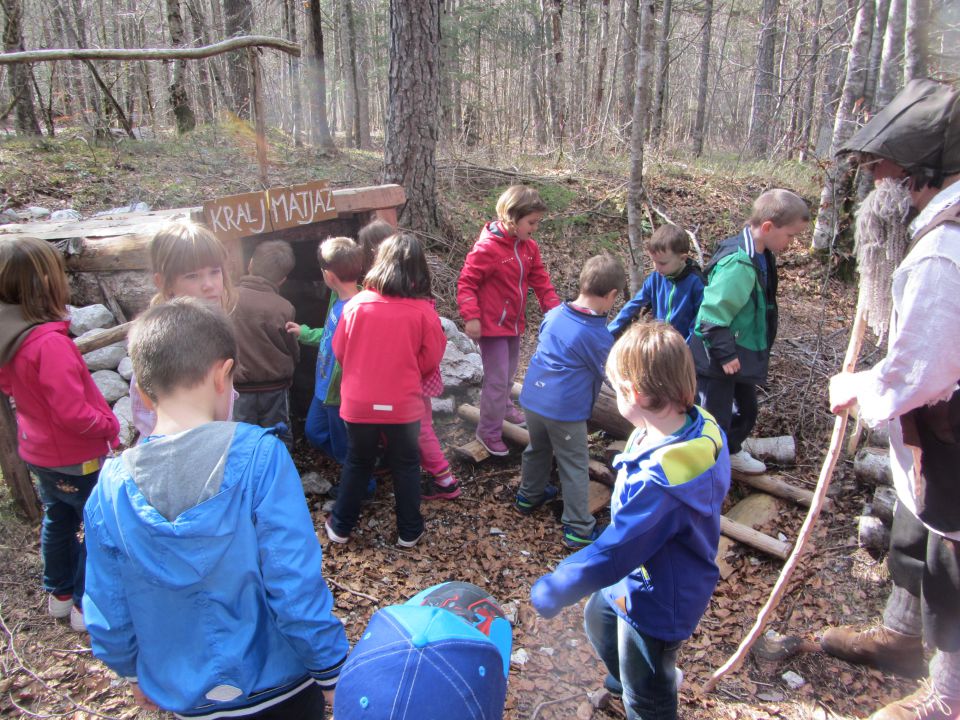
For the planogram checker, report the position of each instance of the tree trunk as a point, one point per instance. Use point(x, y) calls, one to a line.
point(888, 82)
point(876, 53)
point(449, 68)
point(316, 78)
point(553, 16)
point(812, 23)
point(602, 49)
point(25, 117)
point(638, 132)
point(832, 87)
point(663, 71)
point(536, 81)
point(178, 91)
point(764, 101)
point(703, 79)
point(364, 70)
point(293, 74)
point(628, 51)
point(348, 68)
point(238, 20)
point(581, 83)
point(916, 53)
point(413, 108)
point(838, 174)
point(204, 67)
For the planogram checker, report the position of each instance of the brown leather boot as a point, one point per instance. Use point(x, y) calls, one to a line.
point(924, 704)
point(878, 647)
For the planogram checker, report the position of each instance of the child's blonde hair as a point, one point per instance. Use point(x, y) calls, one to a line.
point(779, 206)
point(653, 360)
point(517, 202)
point(341, 256)
point(181, 247)
point(32, 276)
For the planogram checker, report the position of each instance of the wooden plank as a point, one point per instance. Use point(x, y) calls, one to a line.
point(472, 451)
point(753, 511)
point(15, 473)
point(776, 485)
point(754, 538)
point(237, 216)
point(303, 204)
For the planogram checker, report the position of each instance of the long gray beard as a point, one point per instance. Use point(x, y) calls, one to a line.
point(881, 243)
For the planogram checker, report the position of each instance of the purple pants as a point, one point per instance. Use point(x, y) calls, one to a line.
point(500, 357)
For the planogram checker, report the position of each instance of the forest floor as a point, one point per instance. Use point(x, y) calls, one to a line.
point(48, 671)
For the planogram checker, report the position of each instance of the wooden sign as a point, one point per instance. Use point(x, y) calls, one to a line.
point(237, 216)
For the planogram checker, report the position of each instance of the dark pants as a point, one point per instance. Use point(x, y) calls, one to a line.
point(64, 555)
point(643, 668)
point(403, 459)
point(266, 408)
point(927, 565)
point(718, 395)
point(307, 704)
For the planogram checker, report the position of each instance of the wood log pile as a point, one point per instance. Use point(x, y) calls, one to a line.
point(871, 467)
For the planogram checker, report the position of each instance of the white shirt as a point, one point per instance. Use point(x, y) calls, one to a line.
point(922, 364)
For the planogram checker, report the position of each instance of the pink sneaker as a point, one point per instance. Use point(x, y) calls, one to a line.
point(515, 415)
point(494, 446)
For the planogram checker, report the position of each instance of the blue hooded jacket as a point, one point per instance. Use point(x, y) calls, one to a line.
point(203, 572)
point(656, 562)
point(675, 300)
point(566, 371)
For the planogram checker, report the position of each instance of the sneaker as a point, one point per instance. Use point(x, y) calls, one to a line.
point(431, 490)
point(76, 620)
point(576, 541)
point(925, 703)
point(525, 507)
point(515, 415)
point(744, 462)
point(410, 543)
point(332, 536)
point(494, 446)
point(878, 647)
point(59, 605)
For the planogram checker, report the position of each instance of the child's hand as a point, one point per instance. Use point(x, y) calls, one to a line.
point(140, 698)
point(543, 600)
point(732, 367)
point(472, 329)
point(293, 328)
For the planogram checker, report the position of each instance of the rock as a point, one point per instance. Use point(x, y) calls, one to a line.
point(90, 317)
point(771, 696)
point(328, 506)
point(547, 651)
point(107, 358)
point(66, 215)
point(458, 369)
point(519, 657)
point(125, 368)
point(123, 410)
point(873, 465)
point(9, 216)
point(111, 385)
point(131, 208)
point(884, 503)
point(496, 531)
point(599, 699)
point(873, 534)
point(132, 289)
point(444, 406)
point(793, 680)
point(35, 212)
point(510, 611)
point(879, 435)
point(458, 338)
point(313, 484)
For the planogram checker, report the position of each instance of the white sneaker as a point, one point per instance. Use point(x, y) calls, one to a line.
point(59, 608)
point(410, 543)
point(746, 463)
point(679, 681)
point(77, 623)
point(339, 539)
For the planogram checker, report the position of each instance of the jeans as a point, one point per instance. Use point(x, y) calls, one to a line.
point(500, 356)
point(718, 395)
point(64, 555)
point(326, 431)
point(642, 667)
point(403, 459)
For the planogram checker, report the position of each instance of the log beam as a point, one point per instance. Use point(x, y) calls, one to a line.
point(775, 485)
point(180, 53)
point(15, 473)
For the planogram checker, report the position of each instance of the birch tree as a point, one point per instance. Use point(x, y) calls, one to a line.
point(179, 101)
point(25, 116)
point(915, 50)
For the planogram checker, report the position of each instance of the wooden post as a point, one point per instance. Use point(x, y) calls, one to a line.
point(15, 473)
point(260, 123)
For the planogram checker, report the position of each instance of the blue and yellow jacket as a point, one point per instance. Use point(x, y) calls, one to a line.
point(674, 299)
point(655, 564)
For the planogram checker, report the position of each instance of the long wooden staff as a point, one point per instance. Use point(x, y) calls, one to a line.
point(819, 495)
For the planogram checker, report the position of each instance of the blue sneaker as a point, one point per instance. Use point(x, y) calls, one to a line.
point(576, 541)
point(525, 507)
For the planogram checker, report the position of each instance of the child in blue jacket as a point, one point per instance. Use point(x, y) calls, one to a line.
point(561, 385)
point(652, 571)
point(204, 587)
point(673, 291)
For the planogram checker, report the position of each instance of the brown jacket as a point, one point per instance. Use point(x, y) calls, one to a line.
point(268, 354)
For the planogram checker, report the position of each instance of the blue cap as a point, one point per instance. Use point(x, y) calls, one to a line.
point(445, 654)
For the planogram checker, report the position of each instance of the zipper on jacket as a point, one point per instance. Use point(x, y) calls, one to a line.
point(503, 315)
point(673, 291)
point(516, 252)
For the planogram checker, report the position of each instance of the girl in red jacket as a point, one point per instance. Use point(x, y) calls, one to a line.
point(388, 340)
point(64, 426)
point(492, 295)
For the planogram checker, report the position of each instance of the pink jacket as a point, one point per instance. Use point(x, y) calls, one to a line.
point(494, 281)
point(62, 419)
point(386, 346)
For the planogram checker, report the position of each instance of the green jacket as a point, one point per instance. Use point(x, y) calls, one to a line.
point(738, 316)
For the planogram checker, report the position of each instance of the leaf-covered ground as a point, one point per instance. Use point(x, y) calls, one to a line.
point(48, 671)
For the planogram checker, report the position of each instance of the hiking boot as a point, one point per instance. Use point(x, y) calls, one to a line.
point(515, 415)
point(410, 543)
point(525, 507)
point(494, 446)
point(431, 490)
point(332, 536)
point(879, 647)
point(744, 462)
point(575, 540)
point(77, 623)
point(923, 704)
point(59, 606)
